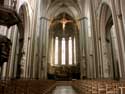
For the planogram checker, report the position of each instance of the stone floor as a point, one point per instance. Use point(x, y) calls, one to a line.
point(64, 90)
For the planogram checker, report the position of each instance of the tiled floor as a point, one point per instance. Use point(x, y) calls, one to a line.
point(64, 90)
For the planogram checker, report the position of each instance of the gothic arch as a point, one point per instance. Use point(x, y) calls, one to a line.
point(109, 67)
point(56, 7)
point(23, 39)
point(60, 36)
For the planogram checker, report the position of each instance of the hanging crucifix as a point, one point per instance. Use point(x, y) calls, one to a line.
point(64, 21)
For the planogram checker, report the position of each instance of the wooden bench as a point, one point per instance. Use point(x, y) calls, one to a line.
point(99, 86)
point(26, 86)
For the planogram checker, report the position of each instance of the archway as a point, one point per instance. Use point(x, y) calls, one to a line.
point(108, 43)
point(23, 39)
point(63, 48)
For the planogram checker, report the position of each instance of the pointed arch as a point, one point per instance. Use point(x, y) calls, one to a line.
point(24, 32)
point(109, 58)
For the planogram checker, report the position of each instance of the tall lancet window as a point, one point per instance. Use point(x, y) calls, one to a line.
point(63, 52)
point(74, 51)
point(70, 51)
point(56, 51)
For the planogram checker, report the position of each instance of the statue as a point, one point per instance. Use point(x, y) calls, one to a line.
point(5, 46)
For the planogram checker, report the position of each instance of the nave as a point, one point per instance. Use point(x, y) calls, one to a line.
point(64, 90)
point(62, 46)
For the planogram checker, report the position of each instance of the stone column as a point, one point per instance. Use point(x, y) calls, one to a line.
point(73, 50)
point(16, 57)
point(121, 11)
point(53, 50)
point(122, 36)
point(12, 56)
point(46, 46)
point(28, 62)
point(85, 29)
point(120, 39)
point(35, 56)
point(76, 48)
point(82, 50)
point(60, 51)
point(44, 49)
point(30, 48)
point(50, 52)
point(80, 39)
point(40, 48)
point(67, 51)
point(94, 17)
point(32, 41)
point(10, 35)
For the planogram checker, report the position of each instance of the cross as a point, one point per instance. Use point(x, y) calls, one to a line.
point(64, 21)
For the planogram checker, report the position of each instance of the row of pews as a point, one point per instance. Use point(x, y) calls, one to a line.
point(26, 86)
point(99, 86)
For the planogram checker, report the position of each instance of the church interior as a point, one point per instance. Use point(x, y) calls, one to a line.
point(62, 46)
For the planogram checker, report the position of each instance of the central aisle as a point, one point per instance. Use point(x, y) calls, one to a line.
point(64, 90)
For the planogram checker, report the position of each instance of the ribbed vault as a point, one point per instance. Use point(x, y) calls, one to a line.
point(71, 7)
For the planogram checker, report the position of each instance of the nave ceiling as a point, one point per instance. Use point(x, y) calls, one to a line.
point(71, 7)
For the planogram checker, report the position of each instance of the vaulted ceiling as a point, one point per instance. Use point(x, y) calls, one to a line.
point(71, 7)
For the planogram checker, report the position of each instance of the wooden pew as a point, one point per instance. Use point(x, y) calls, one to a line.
point(122, 87)
point(26, 86)
point(99, 86)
